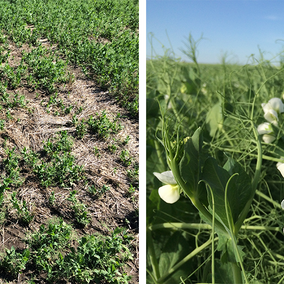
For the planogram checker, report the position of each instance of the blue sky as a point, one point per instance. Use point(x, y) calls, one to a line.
point(233, 27)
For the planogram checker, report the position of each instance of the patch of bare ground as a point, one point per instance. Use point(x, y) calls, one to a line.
point(39, 121)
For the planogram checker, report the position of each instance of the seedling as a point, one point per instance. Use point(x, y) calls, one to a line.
point(81, 129)
point(98, 191)
point(125, 158)
point(103, 126)
point(81, 215)
point(51, 199)
point(14, 262)
point(133, 173)
point(131, 189)
point(9, 116)
point(24, 214)
point(112, 148)
point(126, 140)
point(96, 151)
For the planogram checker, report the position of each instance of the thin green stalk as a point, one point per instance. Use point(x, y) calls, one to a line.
point(212, 236)
point(237, 274)
point(279, 256)
point(171, 159)
point(152, 276)
point(195, 226)
point(276, 204)
point(254, 183)
point(281, 280)
point(180, 226)
point(227, 136)
point(152, 255)
point(208, 215)
point(173, 106)
point(261, 228)
point(264, 157)
point(159, 153)
point(263, 84)
point(228, 209)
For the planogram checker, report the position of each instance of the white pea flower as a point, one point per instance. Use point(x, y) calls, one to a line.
point(282, 204)
point(275, 104)
point(271, 116)
point(272, 109)
point(268, 138)
point(203, 89)
point(166, 98)
point(266, 130)
point(169, 192)
point(280, 167)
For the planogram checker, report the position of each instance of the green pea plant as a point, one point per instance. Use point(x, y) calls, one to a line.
point(214, 169)
point(81, 215)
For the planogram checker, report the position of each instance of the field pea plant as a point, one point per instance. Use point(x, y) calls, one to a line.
point(69, 141)
point(215, 170)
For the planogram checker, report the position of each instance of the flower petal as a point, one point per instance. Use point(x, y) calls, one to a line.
point(268, 138)
point(280, 167)
point(166, 177)
point(271, 116)
point(275, 104)
point(264, 128)
point(169, 193)
point(282, 204)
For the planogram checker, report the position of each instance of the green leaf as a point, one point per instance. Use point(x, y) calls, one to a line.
point(217, 178)
point(228, 252)
point(173, 252)
point(223, 273)
point(239, 189)
point(197, 140)
point(153, 203)
point(190, 80)
point(153, 108)
point(190, 165)
point(214, 119)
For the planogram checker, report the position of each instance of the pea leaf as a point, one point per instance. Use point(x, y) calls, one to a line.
point(153, 109)
point(228, 251)
point(190, 165)
point(175, 249)
point(239, 190)
point(214, 119)
point(216, 177)
point(223, 273)
point(239, 187)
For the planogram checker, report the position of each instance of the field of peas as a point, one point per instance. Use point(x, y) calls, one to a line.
point(215, 170)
